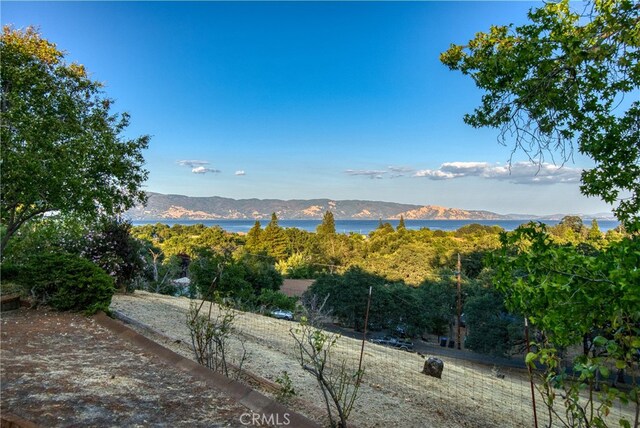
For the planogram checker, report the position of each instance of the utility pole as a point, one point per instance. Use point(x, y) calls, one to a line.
point(459, 300)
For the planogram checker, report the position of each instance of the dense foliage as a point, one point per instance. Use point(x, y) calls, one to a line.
point(62, 147)
point(410, 273)
point(67, 282)
point(566, 78)
point(571, 78)
point(577, 295)
point(112, 248)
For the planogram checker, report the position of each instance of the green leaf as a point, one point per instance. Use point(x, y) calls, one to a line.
point(530, 358)
point(600, 341)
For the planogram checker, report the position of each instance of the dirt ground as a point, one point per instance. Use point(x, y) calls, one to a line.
point(63, 369)
point(394, 394)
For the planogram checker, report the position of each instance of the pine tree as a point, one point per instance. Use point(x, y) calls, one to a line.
point(328, 225)
point(275, 239)
point(594, 233)
point(274, 221)
point(254, 238)
point(401, 225)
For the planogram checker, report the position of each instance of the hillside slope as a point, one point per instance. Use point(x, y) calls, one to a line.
point(160, 206)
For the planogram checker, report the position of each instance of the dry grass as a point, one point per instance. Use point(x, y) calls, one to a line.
point(394, 392)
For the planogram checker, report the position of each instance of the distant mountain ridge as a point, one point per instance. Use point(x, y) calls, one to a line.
point(180, 207)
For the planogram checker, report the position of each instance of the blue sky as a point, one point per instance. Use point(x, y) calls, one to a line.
point(301, 100)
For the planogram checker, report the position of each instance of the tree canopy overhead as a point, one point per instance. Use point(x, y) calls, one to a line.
point(567, 79)
point(62, 147)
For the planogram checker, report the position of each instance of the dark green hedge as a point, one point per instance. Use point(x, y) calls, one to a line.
point(67, 282)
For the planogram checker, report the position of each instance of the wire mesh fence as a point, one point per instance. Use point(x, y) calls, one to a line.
point(474, 390)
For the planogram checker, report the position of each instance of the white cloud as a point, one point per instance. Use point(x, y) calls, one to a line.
point(192, 163)
point(371, 173)
point(198, 166)
point(203, 170)
point(519, 172)
point(400, 169)
point(240, 172)
point(391, 172)
point(436, 174)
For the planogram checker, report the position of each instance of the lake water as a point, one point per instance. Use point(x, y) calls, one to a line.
point(364, 226)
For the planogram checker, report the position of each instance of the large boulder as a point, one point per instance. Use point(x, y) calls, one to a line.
point(433, 367)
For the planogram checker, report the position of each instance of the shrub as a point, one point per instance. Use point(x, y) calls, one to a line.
point(112, 248)
point(67, 282)
point(276, 300)
point(8, 271)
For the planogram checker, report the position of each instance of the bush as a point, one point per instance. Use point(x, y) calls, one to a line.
point(112, 248)
point(276, 300)
point(9, 271)
point(67, 282)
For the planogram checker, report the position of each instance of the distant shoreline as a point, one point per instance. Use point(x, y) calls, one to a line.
point(363, 226)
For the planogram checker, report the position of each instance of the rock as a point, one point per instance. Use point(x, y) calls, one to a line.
point(497, 372)
point(433, 367)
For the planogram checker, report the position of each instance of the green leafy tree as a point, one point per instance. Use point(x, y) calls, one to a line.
point(558, 81)
point(216, 274)
point(296, 266)
point(570, 295)
point(260, 272)
point(50, 234)
point(439, 302)
point(574, 223)
point(491, 329)
point(62, 147)
point(333, 249)
point(348, 294)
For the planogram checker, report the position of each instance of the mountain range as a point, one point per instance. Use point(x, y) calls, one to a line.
point(179, 207)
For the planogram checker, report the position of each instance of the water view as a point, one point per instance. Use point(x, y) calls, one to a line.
point(364, 226)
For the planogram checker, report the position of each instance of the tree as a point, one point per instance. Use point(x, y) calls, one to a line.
point(62, 147)
point(401, 225)
point(260, 273)
point(218, 274)
point(439, 300)
point(348, 294)
point(569, 295)
point(112, 248)
point(328, 226)
point(561, 80)
point(491, 330)
point(275, 239)
point(573, 222)
point(594, 236)
point(254, 238)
